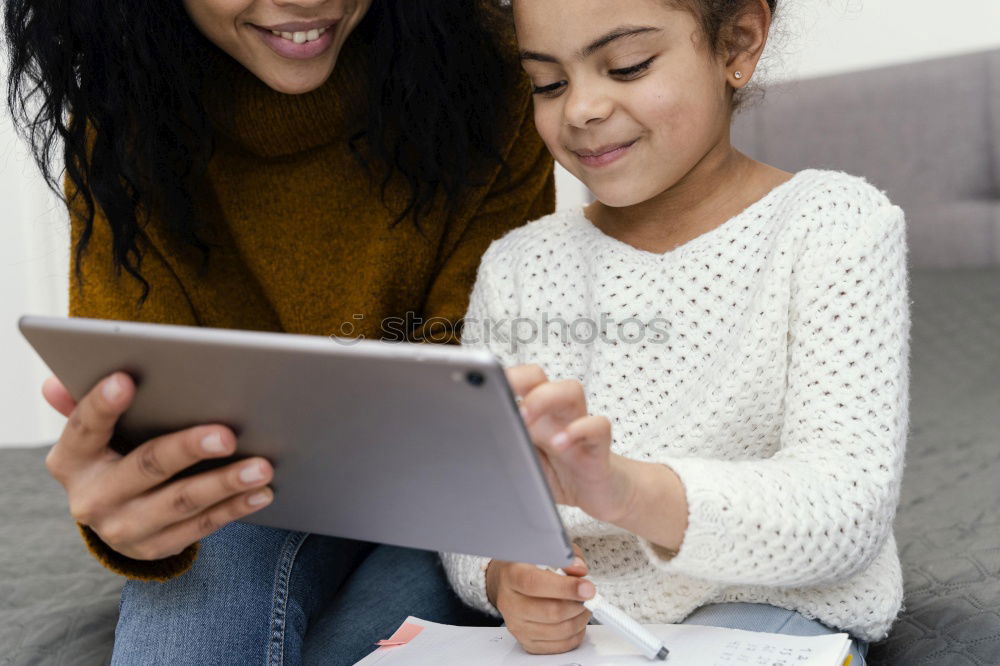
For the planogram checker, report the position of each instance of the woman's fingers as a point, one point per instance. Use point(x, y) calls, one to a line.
point(88, 429)
point(185, 498)
point(176, 538)
point(57, 396)
point(159, 459)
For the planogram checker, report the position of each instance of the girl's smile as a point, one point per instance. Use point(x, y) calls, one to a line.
point(603, 156)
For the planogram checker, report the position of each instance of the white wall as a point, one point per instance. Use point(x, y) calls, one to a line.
point(814, 37)
point(34, 250)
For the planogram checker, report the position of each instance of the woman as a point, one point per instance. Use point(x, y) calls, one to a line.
point(309, 166)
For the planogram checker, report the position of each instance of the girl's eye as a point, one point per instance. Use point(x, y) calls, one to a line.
point(629, 73)
point(548, 90)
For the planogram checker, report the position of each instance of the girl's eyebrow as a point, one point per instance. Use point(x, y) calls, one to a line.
point(596, 45)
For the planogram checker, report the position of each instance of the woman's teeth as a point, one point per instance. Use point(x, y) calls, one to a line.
point(300, 37)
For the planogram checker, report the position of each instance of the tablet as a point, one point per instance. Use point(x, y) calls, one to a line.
point(410, 444)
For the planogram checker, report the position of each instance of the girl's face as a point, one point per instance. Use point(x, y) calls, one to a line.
point(291, 45)
point(628, 95)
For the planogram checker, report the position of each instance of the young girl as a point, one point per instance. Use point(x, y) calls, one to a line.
point(719, 348)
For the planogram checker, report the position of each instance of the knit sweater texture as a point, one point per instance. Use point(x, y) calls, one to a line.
point(302, 240)
point(765, 362)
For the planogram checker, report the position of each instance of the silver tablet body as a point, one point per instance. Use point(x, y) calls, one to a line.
point(410, 444)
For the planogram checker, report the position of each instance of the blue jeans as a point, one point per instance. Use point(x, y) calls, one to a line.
point(258, 595)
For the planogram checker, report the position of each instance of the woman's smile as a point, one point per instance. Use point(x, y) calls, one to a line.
point(299, 41)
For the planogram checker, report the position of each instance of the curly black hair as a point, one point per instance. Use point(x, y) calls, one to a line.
point(118, 86)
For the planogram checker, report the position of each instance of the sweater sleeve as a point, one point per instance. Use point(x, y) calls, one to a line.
point(98, 291)
point(822, 507)
point(467, 573)
point(524, 190)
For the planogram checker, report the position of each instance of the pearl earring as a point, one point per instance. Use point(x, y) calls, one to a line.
point(738, 75)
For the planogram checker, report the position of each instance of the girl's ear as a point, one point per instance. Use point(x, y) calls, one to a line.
point(743, 41)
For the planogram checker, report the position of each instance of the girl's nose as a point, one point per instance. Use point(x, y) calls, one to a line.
point(586, 105)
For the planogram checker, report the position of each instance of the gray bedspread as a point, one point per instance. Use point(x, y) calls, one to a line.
point(57, 606)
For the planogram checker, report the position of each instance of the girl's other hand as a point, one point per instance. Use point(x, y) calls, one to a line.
point(129, 501)
point(574, 447)
point(543, 610)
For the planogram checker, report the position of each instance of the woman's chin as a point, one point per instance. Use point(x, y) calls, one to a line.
point(293, 84)
point(291, 79)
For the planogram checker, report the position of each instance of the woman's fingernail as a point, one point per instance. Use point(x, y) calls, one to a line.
point(561, 440)
point(251, 473)
point(577, 562)
point(212, 443)
point(524, 413)
point(112, 388)
point(259, 499)
point(586, 589)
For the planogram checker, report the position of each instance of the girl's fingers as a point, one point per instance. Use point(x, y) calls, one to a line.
point(554, 646)
point(531, 581)
point(550, 612)
point(185, 498)
point(562, 400)
point(559, 630)
point(524, 378)
point(579, 566)
point(57, 396)
point(588, 433)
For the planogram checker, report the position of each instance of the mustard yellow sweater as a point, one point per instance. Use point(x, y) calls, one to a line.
point(302, 242)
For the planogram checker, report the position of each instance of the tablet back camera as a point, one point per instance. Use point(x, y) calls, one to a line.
point(474, 378)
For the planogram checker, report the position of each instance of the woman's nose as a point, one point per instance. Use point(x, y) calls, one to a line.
point(586, 105)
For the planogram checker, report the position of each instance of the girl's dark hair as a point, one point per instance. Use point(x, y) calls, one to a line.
point(118, 84)
point(716, 17)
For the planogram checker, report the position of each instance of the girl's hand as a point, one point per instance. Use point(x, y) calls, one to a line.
point(129, 501)
point(574, 447)
point(543, 610)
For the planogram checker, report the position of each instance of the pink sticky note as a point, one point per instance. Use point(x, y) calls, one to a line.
point(406, 633)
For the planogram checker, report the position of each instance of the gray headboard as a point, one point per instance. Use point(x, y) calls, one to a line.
point(927, 133)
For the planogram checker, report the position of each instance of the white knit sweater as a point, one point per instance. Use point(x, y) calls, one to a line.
point(765, 361)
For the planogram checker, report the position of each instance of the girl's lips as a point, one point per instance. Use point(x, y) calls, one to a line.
point(289, 49)
point(604, 157)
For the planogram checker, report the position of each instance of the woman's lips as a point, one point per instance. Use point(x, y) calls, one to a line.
point(605, 155)
point(289, 49)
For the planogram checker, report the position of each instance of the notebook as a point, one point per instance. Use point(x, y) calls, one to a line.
point(421, 643)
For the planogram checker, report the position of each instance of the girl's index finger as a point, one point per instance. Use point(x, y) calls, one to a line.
point(524, 378)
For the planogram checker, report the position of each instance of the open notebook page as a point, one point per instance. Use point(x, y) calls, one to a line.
point(422, 643)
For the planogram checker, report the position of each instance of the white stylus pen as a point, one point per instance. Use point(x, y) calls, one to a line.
point(611, 616)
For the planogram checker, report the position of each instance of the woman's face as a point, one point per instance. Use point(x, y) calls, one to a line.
point(628, 97)
point(291, 45)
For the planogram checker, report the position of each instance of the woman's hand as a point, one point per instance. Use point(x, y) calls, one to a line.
point(128, 501)
point(543, 610)
point(575, 448)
